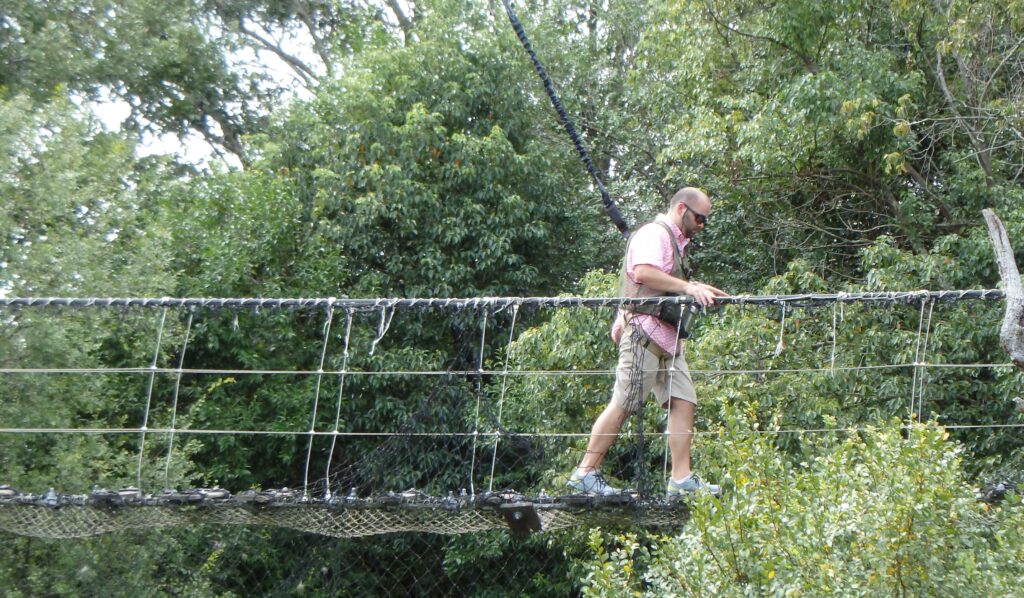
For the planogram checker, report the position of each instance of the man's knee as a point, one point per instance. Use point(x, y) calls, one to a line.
point(676, 403)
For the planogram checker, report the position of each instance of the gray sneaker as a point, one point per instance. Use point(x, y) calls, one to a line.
point(592, 483)
point(691, 484)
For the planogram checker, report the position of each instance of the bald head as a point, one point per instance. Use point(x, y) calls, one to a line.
point(692, 197)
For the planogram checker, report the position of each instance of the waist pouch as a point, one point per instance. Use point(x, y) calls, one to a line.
point(678, 315)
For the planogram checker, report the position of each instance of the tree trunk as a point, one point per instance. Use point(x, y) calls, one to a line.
point(1012, 332)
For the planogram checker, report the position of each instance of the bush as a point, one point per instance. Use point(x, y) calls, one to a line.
point(883, 511)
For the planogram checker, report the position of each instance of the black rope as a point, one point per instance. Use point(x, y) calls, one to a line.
point(609, 206)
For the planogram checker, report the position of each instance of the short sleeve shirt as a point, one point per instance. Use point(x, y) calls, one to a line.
point(652, 247)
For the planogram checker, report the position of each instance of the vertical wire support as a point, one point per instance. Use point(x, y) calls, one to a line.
point(385, 323)
point(924, 359)
point(149, 397)
point(316, 397)
point(177, 388)
point(779, 346)
point(832, 362)
point(341, 393)
point(501, 397)
point(668, 412)
point(479, 395)
point(917, 360)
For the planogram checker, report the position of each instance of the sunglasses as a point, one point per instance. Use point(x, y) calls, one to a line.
point(699, 218)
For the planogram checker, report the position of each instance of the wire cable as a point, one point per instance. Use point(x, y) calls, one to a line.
point(149, 396)
point(609, 206)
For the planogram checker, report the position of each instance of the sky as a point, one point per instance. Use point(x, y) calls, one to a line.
point(193, 149)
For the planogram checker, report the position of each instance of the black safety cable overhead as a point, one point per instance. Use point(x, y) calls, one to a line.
point(609, 206)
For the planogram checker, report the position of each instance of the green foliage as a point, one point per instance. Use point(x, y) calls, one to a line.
point(80, 214)
point(871, 513)
point(820, 127)
point(81, 218)
point(160, 58)
point(103, 565)
point(427, 147)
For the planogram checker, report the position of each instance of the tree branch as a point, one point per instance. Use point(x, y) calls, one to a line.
point(318, 43)
point(1011, 334)
point(810, 64)
point(923, 182)
point(305, 73)
point(1006, 57)
point(403, 20)
point(972, 134)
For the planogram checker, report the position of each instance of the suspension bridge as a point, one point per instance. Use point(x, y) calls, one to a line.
point(460, 444)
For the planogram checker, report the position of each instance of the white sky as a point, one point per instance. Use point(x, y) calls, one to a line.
point(193, 149)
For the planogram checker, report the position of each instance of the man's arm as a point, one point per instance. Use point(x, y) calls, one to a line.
point(653, 278)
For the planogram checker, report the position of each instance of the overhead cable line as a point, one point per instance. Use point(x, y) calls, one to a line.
point(609, 206)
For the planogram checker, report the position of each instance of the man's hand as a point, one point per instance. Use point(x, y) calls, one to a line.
point(704, 294)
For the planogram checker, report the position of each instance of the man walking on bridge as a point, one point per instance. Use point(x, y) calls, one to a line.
point(650, 354)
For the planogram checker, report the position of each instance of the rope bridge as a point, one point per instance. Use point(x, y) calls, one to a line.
point(455, 435)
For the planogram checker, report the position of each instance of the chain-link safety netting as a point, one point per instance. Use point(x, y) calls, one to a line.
point(69, 516)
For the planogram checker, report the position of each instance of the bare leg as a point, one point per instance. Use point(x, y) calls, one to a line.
point(680, 430)
point(602, 435)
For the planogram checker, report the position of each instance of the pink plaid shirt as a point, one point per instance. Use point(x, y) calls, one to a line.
point(650, 246)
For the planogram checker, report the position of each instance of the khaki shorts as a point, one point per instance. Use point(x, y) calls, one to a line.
point(644, 367)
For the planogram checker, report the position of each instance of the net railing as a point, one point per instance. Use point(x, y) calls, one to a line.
point(353, 417)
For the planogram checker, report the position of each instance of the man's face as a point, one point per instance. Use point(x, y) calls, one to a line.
point(694, 216)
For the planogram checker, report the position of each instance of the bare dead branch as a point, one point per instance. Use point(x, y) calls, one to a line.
point(1011, 334)
point(1011, 54)
point(972, 134)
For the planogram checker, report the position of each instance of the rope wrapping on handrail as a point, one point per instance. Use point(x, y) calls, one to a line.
point(796, 300)
point(609, 206)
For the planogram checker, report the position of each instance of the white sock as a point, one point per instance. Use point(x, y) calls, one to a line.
point(680, 481)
